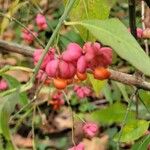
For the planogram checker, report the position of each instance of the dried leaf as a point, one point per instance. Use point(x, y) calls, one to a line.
point(22, 142)
point(96, 143)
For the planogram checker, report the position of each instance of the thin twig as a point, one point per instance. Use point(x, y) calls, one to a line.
point(143, 25)
point(72, 116)
point(80, 118)
point(22, 109)
point(125, 117)
point(22, 118)
point(33, 134)
point(137, 106)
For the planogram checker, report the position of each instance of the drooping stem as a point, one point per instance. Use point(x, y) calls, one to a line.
point(126, 117)
point(132, 17)
point(33, 132)
point(51, 40)
point(137, 106)
point(123, 124)
point(72, 117)
point(143, 25)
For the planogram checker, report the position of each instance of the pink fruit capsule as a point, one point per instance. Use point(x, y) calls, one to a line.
point(27, 36)
point(81, 64)
point(67, 56)
point(41, 76)
point(51, 68)
point(90, 129)
point(76, 87)
point(38, 53)
point(105, 55)
point(74, 47)
point(80, 93)
point(87, 91)
point(41, 22)
point(72, 70)
point(63, 69)
point(91, 50)
point(139, 32)
point(73, 52)
point(3, 85)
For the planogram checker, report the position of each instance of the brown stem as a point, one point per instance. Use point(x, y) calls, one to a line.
point(16, 48)
point(132, 17)
point(129, 80)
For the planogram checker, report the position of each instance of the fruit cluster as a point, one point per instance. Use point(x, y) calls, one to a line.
point(57, 100)
point(83, 91)
point(90, 130)
point(74, 63)
point(27, 36)
point(41, 24)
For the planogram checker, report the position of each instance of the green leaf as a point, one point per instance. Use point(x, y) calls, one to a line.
point(96, 84)
point(111, 132)
point(4, 118)
point(90, 9)
point(13, 83)
point(112, 114)
point(1, 143)
point(144, 105)
point(10, 146)
point(7, 105)
point(142, 144)
point(122, 88)
point(86, 106)
point(145, 97)
point(74, 100)
point(107, 93)
point(133, 130)
point(116, 94)
point(113, 33)
point(68, 37)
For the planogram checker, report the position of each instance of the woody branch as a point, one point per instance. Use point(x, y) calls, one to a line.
point(115, 75)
